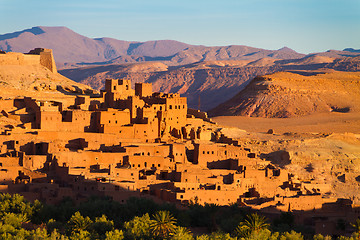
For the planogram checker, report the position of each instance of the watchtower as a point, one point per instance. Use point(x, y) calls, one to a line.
point(143, 89)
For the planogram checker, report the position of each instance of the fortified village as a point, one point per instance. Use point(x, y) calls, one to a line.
point(128, 142)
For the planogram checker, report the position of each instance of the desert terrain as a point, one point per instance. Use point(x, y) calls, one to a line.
point(316, 142)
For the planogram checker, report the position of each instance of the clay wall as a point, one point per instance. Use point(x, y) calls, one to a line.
point(186, 186)
point(209, 196)
point(121, 88)
point(194, 176)
point(48, 121)
point(178, 152)
point(85, 102)
point(6, 162)
point(13, 58)
point(6, 105)
point(31, 104)
point(34, 162)
point(305, 203)
point(76, 121)
point(148, 150)
point(111, 121)
point(143, 89)
point(147, 114)
point(47, 60)
point(89, 158)
point(204, 153)
point(95, 140)
point(135, 103)
point(146, 131)
point(149, 162)
point(198, 114)
point(229, 151)
point(43, 57)
point(9, 174)
point(124, 174)
point(176, 109)
point(194, 122)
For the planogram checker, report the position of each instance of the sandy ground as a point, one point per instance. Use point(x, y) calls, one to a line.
point(321, 148)
point(320, 123)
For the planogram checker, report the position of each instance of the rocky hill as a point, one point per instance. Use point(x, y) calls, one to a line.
point(285, 94)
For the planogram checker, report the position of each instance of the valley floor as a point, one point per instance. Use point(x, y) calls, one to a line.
point(319, 123)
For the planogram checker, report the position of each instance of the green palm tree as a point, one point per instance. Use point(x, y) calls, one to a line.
point(253, 223)
point(78, 223)
point(356, 225)
point(182, 233)
point(163, 225)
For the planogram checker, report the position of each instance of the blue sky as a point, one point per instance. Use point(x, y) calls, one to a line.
point(303, 25)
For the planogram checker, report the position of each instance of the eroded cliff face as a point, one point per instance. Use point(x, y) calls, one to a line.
point(285, 94)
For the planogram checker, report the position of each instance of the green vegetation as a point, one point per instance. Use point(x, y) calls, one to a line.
point(142, 219)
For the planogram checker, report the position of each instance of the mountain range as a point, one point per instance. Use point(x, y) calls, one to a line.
point(70, 47)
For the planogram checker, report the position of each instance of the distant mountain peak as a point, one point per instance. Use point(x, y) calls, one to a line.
point(286, 49)
point(352, 50)
point(33, 30)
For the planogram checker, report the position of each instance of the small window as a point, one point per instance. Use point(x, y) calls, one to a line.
point(170, 106)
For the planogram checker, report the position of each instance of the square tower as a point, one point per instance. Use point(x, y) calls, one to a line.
point(117, 89)
point(143, 89)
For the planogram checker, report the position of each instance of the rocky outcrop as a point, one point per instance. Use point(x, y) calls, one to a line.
point(284, 94)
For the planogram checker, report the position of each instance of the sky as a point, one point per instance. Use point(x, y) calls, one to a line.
point(303, 25)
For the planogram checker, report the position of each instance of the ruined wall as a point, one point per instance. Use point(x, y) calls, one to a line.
point(38, 56)
point(47, 60)
point(13, 58)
